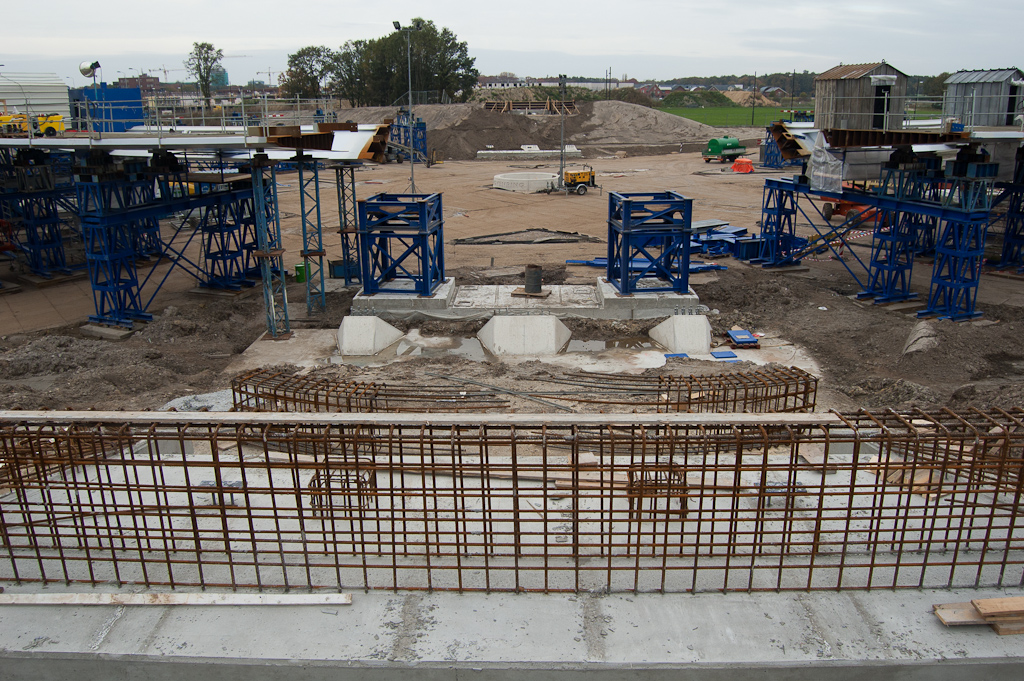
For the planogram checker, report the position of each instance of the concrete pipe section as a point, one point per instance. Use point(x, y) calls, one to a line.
point(526, 183)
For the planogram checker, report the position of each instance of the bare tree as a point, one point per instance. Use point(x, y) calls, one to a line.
point(200, 63)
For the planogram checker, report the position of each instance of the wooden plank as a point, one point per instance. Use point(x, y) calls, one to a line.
point(1008, 629)
point(175, 599)
point(997, 607)
point(814, 454)
point(958, 614)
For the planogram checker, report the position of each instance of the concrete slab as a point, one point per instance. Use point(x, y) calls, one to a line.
point(304, 348)
point(684, 333)
point(642, 305)
point(113, 333)
point(524, 335)
point(437, 636)
point(381, 304)
point(363, 336)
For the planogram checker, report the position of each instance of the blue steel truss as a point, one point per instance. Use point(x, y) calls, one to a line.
point(269, 253)
point(312, 234)
point(779, 242)
point(224, 250)
point(401, 239)
point(349, 221)
point(650, 227)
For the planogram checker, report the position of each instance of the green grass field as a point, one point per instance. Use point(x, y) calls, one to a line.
point(725, 116)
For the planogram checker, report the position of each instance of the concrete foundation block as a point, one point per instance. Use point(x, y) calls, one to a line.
point(524, 335)
point(365, 335)
point(689, 333)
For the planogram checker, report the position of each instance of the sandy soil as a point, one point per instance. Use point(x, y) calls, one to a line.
point(859, 346)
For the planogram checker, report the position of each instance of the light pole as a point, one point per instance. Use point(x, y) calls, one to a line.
point(418, 26)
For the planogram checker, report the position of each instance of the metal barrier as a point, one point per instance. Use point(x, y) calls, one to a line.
point(514, 502)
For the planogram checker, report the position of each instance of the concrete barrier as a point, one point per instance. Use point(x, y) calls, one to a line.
point(365, 335)
point(524, 335)
point(689, 333)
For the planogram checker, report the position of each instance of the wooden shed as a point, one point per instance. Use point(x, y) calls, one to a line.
point(984, 98)
point(860, 97)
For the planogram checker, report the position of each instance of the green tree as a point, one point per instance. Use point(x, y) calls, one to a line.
point(375, 72)
point(309, 71)
point(200, 63)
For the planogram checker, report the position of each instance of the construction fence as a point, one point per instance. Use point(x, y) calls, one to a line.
point(513, 502)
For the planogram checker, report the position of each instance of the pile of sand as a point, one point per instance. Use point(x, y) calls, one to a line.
point(458, 131)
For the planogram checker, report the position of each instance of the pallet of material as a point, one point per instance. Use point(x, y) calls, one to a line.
point(1004, 615)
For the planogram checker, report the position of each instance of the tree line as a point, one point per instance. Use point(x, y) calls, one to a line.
point(376, 72)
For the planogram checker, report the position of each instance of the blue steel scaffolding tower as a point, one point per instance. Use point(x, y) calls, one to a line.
point(960, 245)
point(895, 236)
point(1013, 238)
point(32, 193)
point(779, 242)
point(401, 243)
point(649, 239)
point(270, 252)
point(348, 220)
point(312, 234)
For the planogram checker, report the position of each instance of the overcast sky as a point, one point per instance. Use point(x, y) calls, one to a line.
point(644, 39)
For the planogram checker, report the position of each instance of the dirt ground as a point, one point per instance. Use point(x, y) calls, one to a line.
point(192, 340)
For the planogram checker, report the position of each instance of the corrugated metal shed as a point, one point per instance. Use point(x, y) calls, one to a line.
point(37, 93)
point(984, 98)
point(992, 76)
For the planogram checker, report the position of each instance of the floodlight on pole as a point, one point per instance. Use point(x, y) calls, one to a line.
point(418, 26)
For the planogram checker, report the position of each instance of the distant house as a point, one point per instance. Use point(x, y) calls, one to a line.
point(498, 82)
point(860, 97)
point(984, 98)
point(773, 90)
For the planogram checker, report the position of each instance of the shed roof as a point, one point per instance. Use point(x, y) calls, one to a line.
point(989, 76)
point(853, 71)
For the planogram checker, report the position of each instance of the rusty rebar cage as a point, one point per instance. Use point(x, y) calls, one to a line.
point(267, 390)
point(514, 502)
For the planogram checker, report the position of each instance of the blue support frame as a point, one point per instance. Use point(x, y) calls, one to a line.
point(348, 221)
point(779, 242)
point(651, 227)
point(401, 239)
point(312, 233)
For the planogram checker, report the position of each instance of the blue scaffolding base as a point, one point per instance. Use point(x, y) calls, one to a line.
point(779, 242)
point(401, 243)
point(652, 228)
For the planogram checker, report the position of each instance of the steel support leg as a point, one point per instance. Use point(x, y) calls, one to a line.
point(270, 252)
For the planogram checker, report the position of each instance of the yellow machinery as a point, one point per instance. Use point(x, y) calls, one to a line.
point(49, 125)
point(578, 180)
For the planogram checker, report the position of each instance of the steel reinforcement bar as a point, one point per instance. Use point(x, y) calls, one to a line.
point(513, 502)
